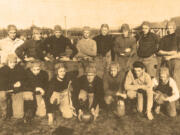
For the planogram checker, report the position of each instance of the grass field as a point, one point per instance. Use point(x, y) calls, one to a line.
point(106, 124)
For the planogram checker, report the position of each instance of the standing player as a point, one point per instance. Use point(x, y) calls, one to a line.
point(169, 50)
point(57, 44)
point(137, 84)
point(125, 48)
point(147, 49)
point(86, 47)
point(31, 49)
point(167, 93)
point(105, 44)
point(9, 44)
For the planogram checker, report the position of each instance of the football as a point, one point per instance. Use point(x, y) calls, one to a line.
point(87, 117)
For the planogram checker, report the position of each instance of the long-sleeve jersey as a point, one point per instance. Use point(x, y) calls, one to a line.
point(112, 84)
point(104, 45)
point(57, 46)
point(59, 86)
point(32, 81)
point(96, 88)
point(31, 48)
point(86, 48)
point(148, 45)
point(8, 46)
point(8, 77)
point(131, 81)
point(122, 43)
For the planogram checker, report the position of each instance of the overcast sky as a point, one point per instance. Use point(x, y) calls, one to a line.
point(85, 12)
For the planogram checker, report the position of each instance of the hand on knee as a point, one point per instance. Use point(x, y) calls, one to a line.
point(108, 100)
point(67, 113)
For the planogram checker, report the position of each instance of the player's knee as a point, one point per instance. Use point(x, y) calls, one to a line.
point(131, 95)
point(67, 113)
point(172, 113)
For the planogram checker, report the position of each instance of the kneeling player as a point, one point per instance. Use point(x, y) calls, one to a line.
point(138, 83)
point(16, 76)
point(113, 87)
point(166, 92)
point(90, 95)
point(60, 93)
point(35, 86)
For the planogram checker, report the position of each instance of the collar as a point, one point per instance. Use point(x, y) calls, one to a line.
point(173, 34)
point(104, 36)
point(9, 39)
point(86, 38)
point(115, 76)
point(59, 79)
point(135, 77)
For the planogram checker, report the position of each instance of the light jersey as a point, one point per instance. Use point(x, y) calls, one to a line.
point(8, 46)
point(86, 48)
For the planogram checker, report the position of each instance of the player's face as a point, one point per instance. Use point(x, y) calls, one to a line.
point(36, 70)
point(23, 38)
point(171, 29)
point(104, 31)
point(45, 36)
point(145, 29)
point(86, 34)
point(61, 72)
point(90, 77)
point(37, 36)
point(57, 34)
point(125, 33)
point(12, 34)
point(164, 77)
point(138, 71)
point(114, 71)
point(12, 64)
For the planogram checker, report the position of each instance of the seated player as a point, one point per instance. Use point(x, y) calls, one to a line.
point(166, 92)
point(35, 86)
point(59, 93)
point(90, 93)
point(113, 88)
point(137, 84)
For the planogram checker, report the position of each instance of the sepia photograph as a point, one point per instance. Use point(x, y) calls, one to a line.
point(90, 67)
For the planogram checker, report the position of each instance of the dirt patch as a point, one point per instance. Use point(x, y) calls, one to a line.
point(106, 124)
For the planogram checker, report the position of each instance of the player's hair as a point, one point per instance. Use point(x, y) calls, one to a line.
point(138, 64)
point(58, 66)
point(11, 27)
